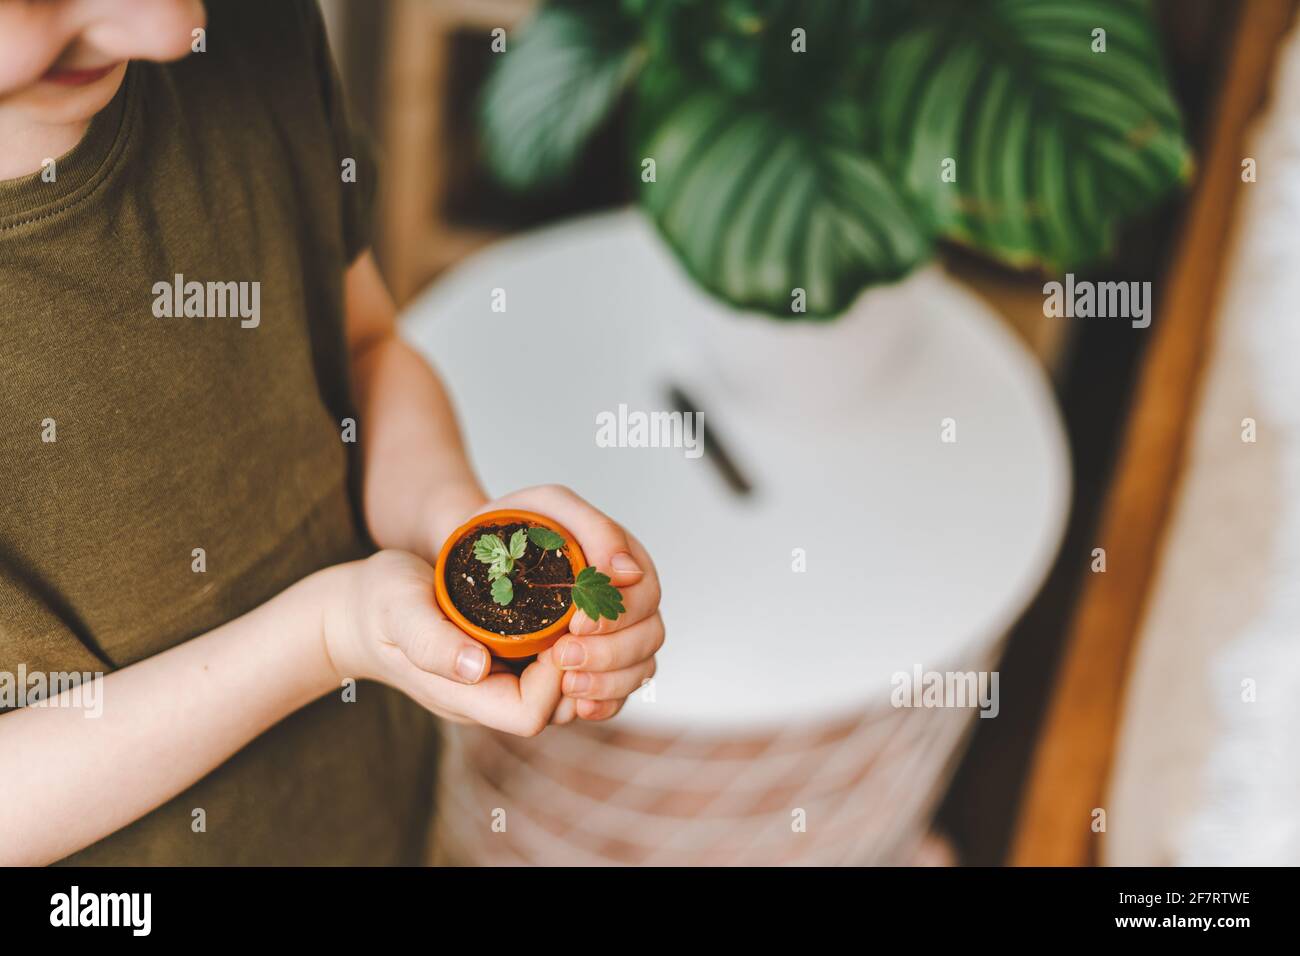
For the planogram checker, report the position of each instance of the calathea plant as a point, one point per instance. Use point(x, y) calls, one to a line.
point(825, 145)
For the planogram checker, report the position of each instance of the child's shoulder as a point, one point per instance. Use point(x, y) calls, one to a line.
point(258, 62)
point(272, 44)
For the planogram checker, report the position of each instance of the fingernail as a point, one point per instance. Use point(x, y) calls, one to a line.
point(623, 563)
point(573, 654)
point(581, 624)
point(469, 664)
point(577, 682)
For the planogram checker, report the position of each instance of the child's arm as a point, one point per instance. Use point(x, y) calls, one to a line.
point(419, 487)
point(71, 779)
point(418, 484)
point(168, 720)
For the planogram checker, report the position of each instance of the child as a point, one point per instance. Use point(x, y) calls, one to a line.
point(176, 509)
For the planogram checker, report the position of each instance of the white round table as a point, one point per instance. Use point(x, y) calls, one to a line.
point(919, 552)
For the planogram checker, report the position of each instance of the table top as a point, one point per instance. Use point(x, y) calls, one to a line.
point(918, 552)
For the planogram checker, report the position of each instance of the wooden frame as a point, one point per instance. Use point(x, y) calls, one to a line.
point(1071, 766)
point(415, 244)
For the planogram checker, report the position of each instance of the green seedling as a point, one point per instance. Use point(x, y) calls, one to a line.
point(591, 591)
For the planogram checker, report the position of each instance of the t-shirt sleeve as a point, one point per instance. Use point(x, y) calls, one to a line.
point(357, 179)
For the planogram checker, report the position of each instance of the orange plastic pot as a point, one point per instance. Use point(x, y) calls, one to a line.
point(516, 645)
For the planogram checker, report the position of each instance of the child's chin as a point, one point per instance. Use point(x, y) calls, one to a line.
point(69, 104)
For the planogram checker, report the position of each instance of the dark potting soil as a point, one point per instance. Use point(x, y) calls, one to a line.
point(532, 608)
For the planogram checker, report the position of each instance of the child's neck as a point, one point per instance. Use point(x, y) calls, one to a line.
point(28, 145)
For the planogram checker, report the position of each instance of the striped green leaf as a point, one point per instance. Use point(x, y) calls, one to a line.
point(552, 89)
point(758, 204)
point(1054, 144)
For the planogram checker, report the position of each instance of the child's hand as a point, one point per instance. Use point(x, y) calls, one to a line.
point(603, 661)
point(382, 624)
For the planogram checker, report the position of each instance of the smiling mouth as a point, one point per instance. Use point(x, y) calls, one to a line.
point(64, 77)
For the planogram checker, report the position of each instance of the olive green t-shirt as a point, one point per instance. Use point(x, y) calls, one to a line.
point(171, 435)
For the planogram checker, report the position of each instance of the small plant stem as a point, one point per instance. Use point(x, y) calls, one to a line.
point(523, 579)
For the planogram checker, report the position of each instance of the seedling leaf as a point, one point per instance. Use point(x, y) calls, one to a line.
point(503, 592)
point(492, 551)
point(518, 542)
point(595, 596)
point(546, 539)
point(489, 548)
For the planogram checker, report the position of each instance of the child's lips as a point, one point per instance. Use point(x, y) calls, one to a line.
point(64, 77)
